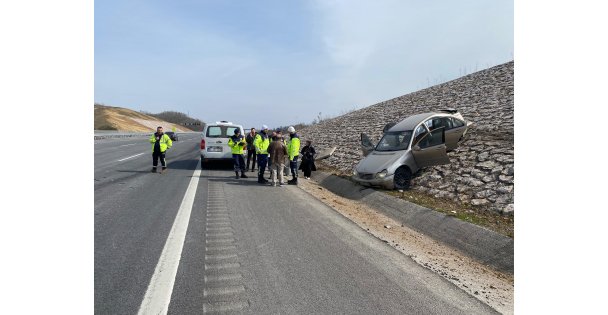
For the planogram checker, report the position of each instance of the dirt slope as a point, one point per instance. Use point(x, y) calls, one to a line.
point(123, 119)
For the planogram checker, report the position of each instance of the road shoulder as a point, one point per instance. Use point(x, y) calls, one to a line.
point(492, 287)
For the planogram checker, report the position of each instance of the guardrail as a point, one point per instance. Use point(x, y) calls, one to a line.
point(106, 134)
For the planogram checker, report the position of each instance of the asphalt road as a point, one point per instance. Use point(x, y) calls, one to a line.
point(194, 241)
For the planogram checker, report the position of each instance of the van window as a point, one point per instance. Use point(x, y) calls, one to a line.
point(214, 132)
point(220, 131)
point(230, 131)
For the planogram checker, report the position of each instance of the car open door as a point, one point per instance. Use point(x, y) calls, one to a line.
point(366, 145)
point(454, 133)
point(431, 149)
point(325, 153)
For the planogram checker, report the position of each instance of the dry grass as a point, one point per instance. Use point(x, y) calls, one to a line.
point(116, 118)
point(478, 215)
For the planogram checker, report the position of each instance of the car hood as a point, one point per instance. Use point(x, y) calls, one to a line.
point(377, 161)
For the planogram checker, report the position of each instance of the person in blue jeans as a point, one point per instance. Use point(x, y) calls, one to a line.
point(261, 144)
point(237, 144)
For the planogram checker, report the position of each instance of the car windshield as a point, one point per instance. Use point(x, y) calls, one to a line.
point(394, 141)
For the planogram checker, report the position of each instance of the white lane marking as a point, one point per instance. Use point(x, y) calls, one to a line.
point(158, 295)
point(130, 157)
point(126, 145)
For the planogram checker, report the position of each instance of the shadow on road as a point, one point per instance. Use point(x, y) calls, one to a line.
point(219, 165)
point(243, 182)
point(183, 164)
point(133, 171)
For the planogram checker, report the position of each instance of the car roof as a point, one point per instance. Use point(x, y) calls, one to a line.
point(411, 122)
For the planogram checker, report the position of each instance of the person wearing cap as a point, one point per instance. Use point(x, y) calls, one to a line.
point(161, 142)
point(237, 143)
point(293, 150)
point(261, 144)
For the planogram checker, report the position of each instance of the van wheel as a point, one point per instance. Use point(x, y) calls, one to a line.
point(402, 178)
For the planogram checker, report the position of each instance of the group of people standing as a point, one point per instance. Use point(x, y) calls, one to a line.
point(266, 150)
point(270, 150)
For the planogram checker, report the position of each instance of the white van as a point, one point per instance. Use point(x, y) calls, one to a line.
point(214, 142)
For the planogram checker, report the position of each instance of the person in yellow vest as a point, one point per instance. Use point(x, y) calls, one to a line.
point(160, 144)
point(237, 142)
point(261, 144)
point(293, 150)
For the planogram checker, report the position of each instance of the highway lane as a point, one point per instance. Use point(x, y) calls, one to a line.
point(248, 248)
point(115, 156)
point(134, 210)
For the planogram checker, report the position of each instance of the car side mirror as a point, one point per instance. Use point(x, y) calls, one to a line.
point(416, 148)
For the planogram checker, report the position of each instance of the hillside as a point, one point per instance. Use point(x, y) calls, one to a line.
point(481, 172)
point(123, 119)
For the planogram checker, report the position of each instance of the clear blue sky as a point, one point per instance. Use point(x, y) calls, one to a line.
point(282, 62)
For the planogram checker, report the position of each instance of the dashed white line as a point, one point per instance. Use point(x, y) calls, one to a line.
point(158, 295)
point(223, 307)
point(130, 157)
point(222, 266)
point(222, 291)
point(223, 277)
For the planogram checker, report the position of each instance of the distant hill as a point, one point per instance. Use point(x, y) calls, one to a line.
point(123, 119)
point(180, 119)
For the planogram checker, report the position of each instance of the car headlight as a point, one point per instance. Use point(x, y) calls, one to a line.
point(382, 174)
point(355, 173)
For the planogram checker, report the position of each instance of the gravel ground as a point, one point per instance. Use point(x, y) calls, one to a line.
point(487, 285)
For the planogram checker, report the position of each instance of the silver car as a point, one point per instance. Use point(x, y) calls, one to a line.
point(418, 141)
point(214, 143)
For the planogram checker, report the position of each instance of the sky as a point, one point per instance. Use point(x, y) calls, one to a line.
point(284, 62)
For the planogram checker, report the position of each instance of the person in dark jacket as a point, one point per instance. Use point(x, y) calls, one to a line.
point(251, 148)
point(308, 159)
point(277, 151)
point(274, 134)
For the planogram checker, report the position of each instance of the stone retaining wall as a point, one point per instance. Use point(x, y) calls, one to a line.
point(481, 172)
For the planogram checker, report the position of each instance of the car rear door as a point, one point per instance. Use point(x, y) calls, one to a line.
point(454, 134)
point(431, 150)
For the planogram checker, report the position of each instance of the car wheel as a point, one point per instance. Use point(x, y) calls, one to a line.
point(402, 178)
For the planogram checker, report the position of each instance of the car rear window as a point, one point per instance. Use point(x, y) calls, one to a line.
point(457, 122)
point(220, 131)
